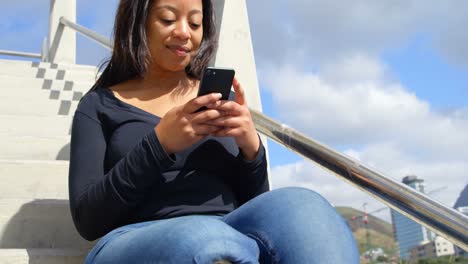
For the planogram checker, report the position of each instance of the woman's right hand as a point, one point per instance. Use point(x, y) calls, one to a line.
point(182, 126)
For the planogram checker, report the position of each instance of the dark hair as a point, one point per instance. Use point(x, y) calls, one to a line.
point(130, 57)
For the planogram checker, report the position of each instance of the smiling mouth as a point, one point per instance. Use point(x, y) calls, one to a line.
point(179, 50)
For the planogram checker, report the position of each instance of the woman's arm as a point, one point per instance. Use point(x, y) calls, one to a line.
point(100, 202)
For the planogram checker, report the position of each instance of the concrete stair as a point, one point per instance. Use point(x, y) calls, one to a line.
point(34, 179)
point(32, 147)
point(41, 256)
point(20, 125)
point(37, 103)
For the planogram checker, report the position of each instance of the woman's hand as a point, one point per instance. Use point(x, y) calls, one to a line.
point(237, 122)
point(182, 126)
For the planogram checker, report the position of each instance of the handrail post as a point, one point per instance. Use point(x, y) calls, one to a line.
point(62, 43)
point(44, 51)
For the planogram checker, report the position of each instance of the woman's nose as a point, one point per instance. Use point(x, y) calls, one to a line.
point(182, 30)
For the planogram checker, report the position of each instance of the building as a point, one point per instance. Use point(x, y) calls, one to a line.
point(462, 200)
point(432, 249)
point(409, 234)
point(462, 206)
point(374, 254)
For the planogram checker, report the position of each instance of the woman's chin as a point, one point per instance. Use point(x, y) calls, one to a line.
point(178, 68)
point(171, 68)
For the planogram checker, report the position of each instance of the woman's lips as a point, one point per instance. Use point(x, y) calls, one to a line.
point(180, 51)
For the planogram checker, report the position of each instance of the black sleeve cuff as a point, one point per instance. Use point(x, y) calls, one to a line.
point(258, 159)
point(159, 154)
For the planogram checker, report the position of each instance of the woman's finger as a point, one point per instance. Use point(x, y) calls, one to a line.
point(205, 116)
point(198, 102)
point(230, 108)
point(226, 121)
point(206, 129)
point(227, 132)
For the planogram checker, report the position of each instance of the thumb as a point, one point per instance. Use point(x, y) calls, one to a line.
point(240, 94)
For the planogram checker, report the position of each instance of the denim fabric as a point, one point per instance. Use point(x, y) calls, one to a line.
point(289, 225)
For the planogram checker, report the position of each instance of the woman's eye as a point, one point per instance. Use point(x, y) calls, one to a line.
point(195, 25)
point(167, 21)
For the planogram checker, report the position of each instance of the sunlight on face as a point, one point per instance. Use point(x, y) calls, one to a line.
point(174, 32)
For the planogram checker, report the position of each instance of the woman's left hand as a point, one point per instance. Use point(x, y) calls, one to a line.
point(237, 122)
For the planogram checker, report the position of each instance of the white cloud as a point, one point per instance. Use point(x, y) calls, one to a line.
point(447, 22)
point(353, 102)
point(315, 31)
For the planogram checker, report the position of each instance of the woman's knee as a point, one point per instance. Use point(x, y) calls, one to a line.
point(296, 198)
point(291, 208)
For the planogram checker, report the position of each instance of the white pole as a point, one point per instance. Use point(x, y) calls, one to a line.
point(62, 41)
point(235, 47)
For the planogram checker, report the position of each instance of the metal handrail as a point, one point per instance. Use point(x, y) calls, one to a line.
point(21, 54)
point(443, 220)
point(87, 32)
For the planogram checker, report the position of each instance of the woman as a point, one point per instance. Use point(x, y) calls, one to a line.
point(164, 183)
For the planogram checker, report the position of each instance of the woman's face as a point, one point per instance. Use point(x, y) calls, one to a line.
point(174, 31)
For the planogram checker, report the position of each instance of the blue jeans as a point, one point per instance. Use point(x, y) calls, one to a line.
point(289, 225)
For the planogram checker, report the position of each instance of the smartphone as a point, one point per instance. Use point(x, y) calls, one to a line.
point(216, 80)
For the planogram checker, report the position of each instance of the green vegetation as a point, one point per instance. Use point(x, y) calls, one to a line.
point(381, 236)
point(440, 260)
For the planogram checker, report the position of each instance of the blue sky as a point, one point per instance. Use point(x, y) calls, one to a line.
point(383, 81)
point(447, 86)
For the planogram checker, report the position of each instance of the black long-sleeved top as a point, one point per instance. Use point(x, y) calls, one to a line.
point(119, 173)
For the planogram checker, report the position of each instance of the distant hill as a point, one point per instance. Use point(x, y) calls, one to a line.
point(381, 232)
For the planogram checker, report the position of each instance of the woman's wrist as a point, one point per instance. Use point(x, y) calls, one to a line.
point(161, 140)
point(250, 152)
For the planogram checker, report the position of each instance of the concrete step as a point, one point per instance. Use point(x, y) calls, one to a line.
point(44, 223)
point(42, 256)
point(35, 148)
point(25, 125)
point(24, 86)
point(15, 65)
point(38, 107)
point(26, 96)
point(33, 179)
point(53, 74)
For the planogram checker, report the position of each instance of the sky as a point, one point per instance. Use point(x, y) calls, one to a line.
point(385, 82)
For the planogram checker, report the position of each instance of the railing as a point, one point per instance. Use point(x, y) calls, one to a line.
point(411, 203)
point(42, 56)
point(21, 54)
point(87, 32)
